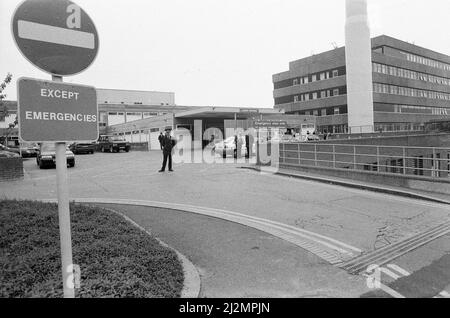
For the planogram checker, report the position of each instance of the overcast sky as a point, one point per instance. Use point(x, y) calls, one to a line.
point(221, 52)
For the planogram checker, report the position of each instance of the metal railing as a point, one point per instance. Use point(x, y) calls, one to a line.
point(420, 161)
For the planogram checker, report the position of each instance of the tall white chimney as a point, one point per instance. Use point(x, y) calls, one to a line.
point(358, 56)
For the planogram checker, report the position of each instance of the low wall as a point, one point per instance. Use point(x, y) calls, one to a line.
point(11, 169)
point(410, 182)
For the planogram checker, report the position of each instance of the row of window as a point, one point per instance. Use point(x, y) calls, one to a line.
point(410, 109)
point(386, 127)
point(426, 61)
point(401, 72)
point(135, 103)
point(138, 114)
point(316, 95)
point(421, 110)
point(315, 77)
point(407, 91)
point(323, 112)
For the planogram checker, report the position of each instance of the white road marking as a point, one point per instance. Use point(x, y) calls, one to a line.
point(391, 292)
point(444, 294)
point(398, 269)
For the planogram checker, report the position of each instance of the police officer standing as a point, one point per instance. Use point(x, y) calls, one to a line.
point(167, 144)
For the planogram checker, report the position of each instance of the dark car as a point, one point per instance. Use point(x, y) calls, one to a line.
point(29, 150)
point(47, 156)
point(113, 144)
point(78, 148)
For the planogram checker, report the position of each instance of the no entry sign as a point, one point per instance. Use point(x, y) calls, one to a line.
point(56, 36)
point(56, 112)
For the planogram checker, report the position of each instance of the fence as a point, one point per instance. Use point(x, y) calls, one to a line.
point(420, 161)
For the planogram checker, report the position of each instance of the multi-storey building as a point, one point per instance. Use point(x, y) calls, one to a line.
point(411, 86)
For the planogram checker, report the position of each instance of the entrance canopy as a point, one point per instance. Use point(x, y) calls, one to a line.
point(227, 112)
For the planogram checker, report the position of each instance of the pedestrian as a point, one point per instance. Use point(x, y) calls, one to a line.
point(167, 144)
point(247, 146)
point(160, 138)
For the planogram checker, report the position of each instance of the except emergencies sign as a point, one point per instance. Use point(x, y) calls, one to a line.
point(56, 112)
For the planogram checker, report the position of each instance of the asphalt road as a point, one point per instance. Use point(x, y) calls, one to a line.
point(238, 261)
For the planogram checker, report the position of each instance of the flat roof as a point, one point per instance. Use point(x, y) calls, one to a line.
point(225, 112)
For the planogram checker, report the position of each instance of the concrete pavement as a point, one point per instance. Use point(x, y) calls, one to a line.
point(238, 261)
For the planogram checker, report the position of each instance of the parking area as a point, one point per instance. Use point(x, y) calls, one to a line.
point(364, 219)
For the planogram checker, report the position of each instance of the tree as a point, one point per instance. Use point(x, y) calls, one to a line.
point(4, 112)
point(3, 109)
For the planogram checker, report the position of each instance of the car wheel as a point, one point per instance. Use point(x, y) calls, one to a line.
point(127, 149)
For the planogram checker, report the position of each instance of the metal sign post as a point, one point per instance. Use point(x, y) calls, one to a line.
point(59, 38)
point(65, 235)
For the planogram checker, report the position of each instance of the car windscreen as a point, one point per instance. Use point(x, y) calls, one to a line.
point(229, 140)
point(48, 147)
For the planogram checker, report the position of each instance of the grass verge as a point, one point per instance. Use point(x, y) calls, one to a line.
point(116, 259)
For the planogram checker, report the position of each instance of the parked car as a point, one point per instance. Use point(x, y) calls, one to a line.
point(113, 144)
point(10, 149)
point(29, 150)
point(312, 137)
point(78, 148)
point(47, 156)
point(8, 154)
point(228, 147)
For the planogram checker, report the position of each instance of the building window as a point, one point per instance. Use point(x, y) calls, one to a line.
point(295, 82)
point(316, 112)
point(323, 112)
point(335, 73)
point(322, 76)
point(336, 110)
point(314, 78)
point(296, 99)
point(335, 92)
point(314, 95)
point(308, 113)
